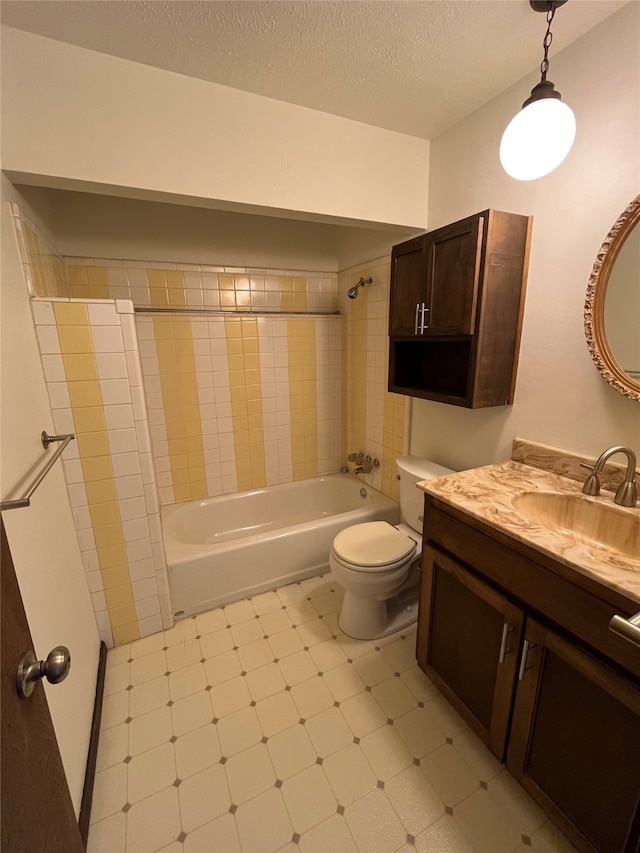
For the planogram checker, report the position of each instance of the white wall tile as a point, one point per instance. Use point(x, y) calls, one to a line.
point(107, 339)
point(134, 368)
point(125, 464)
point(94, 582)
point(158, 554)
point(150, 625)
point(48, 339)
point(86, 539)
point(43, 313)
point(90, 562)
point(145, 589)
point(143, 438)
point(147, 607)
point(115, 391)
point(81, 517)
point(98, 600)
point(53, 368)
point(146, 465)
point(63, 422)
point(135, 529)
point(142, 569)
point(138, 550)
point(77, 495)
point(128, 330)
point(111, 365)
point(129, 487)
point(155, 528)
point(133, 508)
point(151, 497)
point(103, 315)
point(119, 416)
point(122, 441)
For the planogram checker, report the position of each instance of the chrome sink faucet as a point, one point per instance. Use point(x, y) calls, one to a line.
point(627, 494)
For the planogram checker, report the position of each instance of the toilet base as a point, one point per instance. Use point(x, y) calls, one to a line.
point(369, 619)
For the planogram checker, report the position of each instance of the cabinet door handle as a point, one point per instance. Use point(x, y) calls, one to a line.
point(415, 329)
point(506, 630)
point(523, 660)
point(627, 628)
point(423, 324)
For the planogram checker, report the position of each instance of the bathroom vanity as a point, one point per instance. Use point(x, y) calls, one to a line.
point(514, 629)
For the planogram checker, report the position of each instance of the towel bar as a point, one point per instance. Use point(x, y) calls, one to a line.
point(46, 440)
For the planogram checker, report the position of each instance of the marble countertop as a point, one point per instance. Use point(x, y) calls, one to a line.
point(487, 494)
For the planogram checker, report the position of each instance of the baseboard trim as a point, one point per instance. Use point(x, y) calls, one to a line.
point(92, 756)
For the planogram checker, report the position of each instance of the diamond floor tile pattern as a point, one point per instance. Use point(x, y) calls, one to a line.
point(260, 727)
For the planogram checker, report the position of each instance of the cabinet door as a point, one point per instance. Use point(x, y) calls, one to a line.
point(453, 274)
point(408, 286)
point(468, 642)
point(575, 742)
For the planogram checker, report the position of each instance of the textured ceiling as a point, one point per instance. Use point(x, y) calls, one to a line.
point(415, 67)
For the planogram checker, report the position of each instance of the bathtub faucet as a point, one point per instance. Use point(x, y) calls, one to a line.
point(365, 464)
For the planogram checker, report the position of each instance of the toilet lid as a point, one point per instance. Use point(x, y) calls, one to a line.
point(373, 545)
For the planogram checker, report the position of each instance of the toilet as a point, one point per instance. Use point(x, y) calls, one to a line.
point(377, 564)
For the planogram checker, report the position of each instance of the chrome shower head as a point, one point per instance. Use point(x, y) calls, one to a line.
point(353, 292)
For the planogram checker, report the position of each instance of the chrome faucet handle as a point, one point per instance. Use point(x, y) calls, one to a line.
point(588, 467)
point(627, 494)
point(591, 486)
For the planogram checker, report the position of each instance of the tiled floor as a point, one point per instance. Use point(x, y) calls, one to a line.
point(259, 726)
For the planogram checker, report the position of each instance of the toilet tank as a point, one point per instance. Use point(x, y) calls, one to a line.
point(412, 470)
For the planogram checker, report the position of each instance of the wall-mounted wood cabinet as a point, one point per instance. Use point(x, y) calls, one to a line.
point(455, 314)
point(525, 655)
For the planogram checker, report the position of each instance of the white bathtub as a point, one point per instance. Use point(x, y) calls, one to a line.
point(225, 548)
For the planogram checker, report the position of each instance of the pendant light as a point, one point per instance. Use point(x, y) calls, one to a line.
point(540, 136)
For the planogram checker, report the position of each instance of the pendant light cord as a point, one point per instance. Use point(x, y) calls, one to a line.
point(546, 42)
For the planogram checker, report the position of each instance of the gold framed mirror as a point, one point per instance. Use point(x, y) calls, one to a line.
point(612, 305)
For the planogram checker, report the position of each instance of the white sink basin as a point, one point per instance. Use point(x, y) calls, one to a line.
point(588, 521)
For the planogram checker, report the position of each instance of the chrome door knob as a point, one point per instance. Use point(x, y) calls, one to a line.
point(55, 669)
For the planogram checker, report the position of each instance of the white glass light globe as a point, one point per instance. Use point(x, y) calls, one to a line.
point(537, 139)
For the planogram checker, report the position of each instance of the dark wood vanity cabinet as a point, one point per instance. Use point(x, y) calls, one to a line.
point(525, 655)
point(471, 636)
point(575, 740)
point(457, 295)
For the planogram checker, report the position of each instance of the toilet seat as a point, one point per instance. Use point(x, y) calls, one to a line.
point(375, 546)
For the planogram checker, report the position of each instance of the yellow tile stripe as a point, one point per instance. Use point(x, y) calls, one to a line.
point(293, 293)
point(174, 348)
point(301, 334)
point(88, 282)
point(246, 402)
point(78, 357)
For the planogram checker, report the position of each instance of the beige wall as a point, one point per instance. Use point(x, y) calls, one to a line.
point(112, 123)
point(99, 226)
point(42, 537)
point(560, 397)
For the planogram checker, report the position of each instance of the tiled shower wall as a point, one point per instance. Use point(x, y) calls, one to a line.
point(92, 369)
point(151, 284)
point(241, 403)
point(377, 422)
